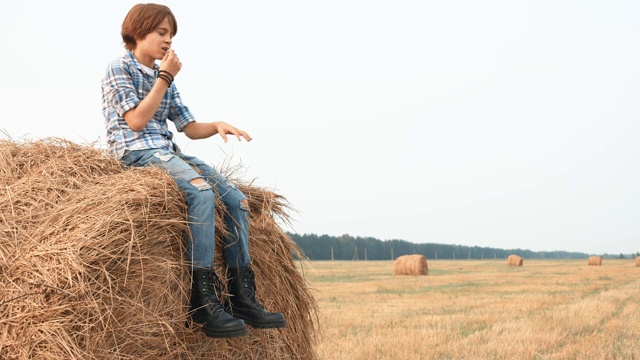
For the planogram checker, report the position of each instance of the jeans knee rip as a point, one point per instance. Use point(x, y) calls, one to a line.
point(201, 186)
point(244, 205)
point(163, 157)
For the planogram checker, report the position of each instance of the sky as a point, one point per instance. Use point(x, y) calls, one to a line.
point(507, 124)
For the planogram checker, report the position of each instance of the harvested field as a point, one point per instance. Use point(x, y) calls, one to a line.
point(478, 309)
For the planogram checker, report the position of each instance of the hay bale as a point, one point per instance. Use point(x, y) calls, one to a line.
point(514, 260)
point(595, 261)
point(92, 266)
point(637, 260)
point(410, 265)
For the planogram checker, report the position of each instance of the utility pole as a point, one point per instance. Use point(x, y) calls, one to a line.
point(332, 253)
point(355, 253)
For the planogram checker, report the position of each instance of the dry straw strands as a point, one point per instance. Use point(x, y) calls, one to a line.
point(91, 263)
point(637, 260)
point(410, 265)
point(514, 260)
point(595, 261)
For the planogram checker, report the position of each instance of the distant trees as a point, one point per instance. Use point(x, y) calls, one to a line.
point(346, 247)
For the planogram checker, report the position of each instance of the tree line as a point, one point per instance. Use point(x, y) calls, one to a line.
point(346, 247)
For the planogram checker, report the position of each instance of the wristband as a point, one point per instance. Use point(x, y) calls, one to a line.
point(166, 72)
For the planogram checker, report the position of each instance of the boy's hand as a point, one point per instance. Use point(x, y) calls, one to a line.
point(171, 63)
point(224, 129)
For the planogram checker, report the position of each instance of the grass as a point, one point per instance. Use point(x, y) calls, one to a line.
point(478, 309)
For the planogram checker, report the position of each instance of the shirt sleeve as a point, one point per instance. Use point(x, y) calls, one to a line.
point(178, 112)
point(119, 88)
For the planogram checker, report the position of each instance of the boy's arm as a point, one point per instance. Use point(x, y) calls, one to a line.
point(138, 117)
point(195, 130)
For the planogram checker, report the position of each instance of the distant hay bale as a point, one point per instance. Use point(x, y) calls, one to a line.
point(595, 260)
point(515, 260)
point(637, 260)
point(92, 266)
point(410, 265)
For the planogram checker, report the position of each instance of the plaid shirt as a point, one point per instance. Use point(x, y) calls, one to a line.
point(124, 85)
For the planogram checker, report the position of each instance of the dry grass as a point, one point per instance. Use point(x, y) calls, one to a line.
point(478, 309)
point(92, 265)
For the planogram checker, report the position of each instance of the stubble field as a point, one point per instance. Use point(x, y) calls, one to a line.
point(478, 309)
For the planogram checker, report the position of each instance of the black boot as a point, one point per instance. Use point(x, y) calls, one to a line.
point(242, 286)
point(207, 310)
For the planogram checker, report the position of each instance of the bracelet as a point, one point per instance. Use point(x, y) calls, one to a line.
point(166, 72)
point(165, 78)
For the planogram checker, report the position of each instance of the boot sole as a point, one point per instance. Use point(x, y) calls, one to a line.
point(272, 325)
point(226, 334)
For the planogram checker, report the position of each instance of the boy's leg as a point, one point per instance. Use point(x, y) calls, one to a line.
point(242, 284)
point(236, 245)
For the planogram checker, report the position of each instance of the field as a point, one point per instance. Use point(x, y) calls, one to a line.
point(478, 309)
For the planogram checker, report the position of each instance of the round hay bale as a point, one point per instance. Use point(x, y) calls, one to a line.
point(92, 265)
point(595, 261)
point(515, 260)
point(637, 260)
point(410, 265)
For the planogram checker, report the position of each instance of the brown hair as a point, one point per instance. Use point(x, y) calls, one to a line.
point(142, 19)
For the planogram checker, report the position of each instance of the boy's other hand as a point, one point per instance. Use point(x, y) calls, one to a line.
point(224, 129)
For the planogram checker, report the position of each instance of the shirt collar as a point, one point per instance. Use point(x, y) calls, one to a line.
point(141, 67)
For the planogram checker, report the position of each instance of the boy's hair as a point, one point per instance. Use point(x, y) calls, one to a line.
point(142, 19)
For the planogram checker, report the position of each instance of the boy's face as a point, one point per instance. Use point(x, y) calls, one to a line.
point(156, 43)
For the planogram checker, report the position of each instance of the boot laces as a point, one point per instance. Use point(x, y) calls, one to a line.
point(249, 280)
point(212, 289)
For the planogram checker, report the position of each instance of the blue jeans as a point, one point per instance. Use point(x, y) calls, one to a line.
point(201, 205)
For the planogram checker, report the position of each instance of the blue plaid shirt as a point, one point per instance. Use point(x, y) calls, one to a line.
point(124, 85)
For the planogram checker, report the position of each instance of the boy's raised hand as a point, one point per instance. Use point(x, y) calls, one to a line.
point(171, 63)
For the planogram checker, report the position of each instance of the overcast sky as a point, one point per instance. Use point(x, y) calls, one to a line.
point(508, 124)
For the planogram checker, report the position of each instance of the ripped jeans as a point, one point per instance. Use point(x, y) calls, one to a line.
point(201, 205)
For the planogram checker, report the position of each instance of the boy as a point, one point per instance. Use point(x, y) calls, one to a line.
point(138, 97)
